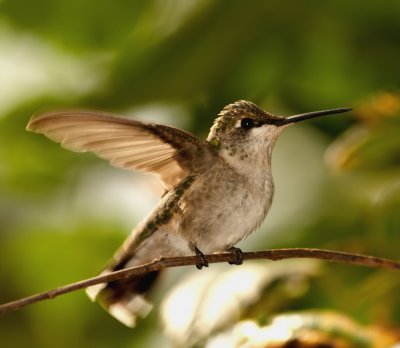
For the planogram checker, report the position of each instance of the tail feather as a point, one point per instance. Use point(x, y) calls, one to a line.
point(125, 299)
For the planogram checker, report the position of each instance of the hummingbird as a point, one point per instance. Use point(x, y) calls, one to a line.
point(217, 191)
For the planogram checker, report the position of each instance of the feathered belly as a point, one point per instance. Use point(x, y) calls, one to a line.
point(222, 223)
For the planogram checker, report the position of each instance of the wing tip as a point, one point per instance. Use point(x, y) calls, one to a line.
point(30, 126)
point(34, 121)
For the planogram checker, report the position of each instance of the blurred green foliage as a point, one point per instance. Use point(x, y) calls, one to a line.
point(199, 55)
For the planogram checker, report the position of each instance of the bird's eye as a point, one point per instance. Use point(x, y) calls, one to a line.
point(247, 123)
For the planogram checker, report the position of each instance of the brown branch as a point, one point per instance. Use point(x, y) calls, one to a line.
point(161, 263)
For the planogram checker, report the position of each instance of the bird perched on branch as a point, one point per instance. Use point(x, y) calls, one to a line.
point(218, 190)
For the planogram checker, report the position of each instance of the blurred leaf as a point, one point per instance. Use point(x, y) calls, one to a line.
point(314, 329)
point(214, 301)
point(373, 145)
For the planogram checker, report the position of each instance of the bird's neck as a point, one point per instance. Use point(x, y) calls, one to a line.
point(254, 163)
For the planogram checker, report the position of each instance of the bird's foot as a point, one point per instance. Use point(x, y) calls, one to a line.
point(202, 260)
point(238, 255)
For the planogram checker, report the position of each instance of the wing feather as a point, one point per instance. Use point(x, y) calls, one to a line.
point(125, 143)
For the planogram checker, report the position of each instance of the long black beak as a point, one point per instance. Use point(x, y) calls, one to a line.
point(307, 115)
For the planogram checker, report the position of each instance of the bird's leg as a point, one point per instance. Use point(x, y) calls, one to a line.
point(238, 254)
point(202, 260)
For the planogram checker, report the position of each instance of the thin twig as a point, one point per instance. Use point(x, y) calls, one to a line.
point(161, 263)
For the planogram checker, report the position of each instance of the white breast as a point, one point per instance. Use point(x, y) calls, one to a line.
point(246, 216)
point(236, 206)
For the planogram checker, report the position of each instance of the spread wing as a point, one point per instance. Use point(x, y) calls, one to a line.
point(125, 143)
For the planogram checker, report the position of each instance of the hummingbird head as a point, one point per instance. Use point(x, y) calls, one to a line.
point(243, 133)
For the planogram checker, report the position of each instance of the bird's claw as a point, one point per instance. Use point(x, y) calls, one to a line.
point(238, 255)
point(202, 260)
